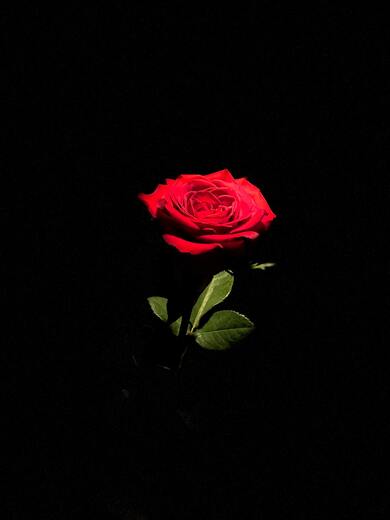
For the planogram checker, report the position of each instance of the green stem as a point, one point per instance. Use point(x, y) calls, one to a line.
point(183, 337)
point(183, 354)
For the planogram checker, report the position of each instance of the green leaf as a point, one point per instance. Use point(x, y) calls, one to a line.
point(175, 326)
point(223, 329)
point(159, 306)
point(263, 267)
point(216, 291)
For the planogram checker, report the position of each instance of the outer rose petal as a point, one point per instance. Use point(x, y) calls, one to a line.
point(229, 236)
point(185, 246)
point(152, 200)
point(222, 175)
point(253, 222)
point(268, 218)
point(259, 200)
point(234, 244)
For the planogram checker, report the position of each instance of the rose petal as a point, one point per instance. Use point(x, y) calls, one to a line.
point(229, 236)
point(183, 219)
point(153, 200)
point(258, 198)
point(254, 221)
point(221, 175)
point(193, 182)
point(185, 246)
point(238, 243)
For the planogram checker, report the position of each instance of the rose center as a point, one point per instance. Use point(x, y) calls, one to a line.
point(205, 204)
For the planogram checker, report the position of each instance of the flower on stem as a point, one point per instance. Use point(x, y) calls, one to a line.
point(204, 217)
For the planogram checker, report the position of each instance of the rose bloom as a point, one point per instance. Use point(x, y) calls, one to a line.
point(201, 213)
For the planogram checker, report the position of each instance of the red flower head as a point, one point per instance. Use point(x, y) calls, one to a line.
point(199, 213)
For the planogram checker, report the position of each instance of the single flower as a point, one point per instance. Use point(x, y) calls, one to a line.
point(201, 213)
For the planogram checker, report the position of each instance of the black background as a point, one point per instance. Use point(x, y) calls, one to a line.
point(107, 102)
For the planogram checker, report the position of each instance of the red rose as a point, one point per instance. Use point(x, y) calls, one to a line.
point(200, 213)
